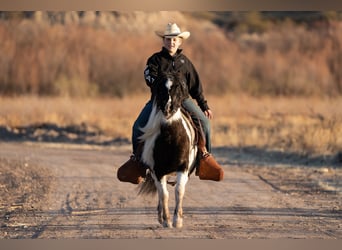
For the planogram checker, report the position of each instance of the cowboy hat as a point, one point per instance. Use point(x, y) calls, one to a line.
point(173, 30)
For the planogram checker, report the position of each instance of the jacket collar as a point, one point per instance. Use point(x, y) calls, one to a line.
point(165, 53)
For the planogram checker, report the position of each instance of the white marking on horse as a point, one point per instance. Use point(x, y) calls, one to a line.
point(168, 83)
point(191, 135)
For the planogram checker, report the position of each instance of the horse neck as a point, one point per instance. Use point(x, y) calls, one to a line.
point(156, 119)
point(175, 117)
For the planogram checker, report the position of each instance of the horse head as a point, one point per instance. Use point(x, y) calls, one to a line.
point(169, 92)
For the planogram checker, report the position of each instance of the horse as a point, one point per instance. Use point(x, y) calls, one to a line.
point(170, 146)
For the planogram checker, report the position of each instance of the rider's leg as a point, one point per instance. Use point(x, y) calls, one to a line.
point(198, 115)
point(133, 171)
point(140, 122)
point(208, 168)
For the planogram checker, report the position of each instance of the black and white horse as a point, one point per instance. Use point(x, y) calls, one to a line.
point(170, 147)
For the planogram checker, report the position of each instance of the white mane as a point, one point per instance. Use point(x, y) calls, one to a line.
point(153, 123)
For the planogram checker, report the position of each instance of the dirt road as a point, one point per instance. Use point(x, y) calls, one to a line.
point(70, 191)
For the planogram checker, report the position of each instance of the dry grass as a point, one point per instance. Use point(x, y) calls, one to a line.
point(112, 116)
point(304, 125)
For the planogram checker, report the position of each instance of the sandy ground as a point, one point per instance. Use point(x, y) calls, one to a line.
point(70, 191)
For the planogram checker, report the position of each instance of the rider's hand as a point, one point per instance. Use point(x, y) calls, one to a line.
point(209, 114)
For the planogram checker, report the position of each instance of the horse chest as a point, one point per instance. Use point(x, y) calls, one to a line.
point(172, 140)
point(169, 149)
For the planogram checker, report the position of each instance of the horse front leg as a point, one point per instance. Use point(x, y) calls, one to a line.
point(182, 179)
point(163, 203)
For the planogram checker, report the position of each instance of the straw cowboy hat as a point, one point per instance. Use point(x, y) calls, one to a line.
point(173, 30)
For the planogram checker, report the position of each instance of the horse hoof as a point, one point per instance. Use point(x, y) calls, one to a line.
point(167, 224)
point(178, 224)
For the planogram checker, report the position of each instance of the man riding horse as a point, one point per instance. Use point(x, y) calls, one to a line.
point(171, 59)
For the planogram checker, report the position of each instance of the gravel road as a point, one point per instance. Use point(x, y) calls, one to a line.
point(70, 191)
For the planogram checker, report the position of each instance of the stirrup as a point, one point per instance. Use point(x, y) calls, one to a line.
point(132, 171)
point(209, 169)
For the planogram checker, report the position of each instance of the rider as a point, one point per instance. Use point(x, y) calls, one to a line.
point(171, 58)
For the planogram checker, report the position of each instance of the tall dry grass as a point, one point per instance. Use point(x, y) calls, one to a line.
point(112, 116)
point(307, 126)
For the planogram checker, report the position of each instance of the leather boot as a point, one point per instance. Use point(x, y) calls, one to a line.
point(209, 169)
point(132, 171)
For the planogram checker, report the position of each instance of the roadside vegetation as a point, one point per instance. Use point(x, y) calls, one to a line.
point(272, 82)
point(307, 126)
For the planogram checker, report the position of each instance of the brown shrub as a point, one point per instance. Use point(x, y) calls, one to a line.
point(80, 59)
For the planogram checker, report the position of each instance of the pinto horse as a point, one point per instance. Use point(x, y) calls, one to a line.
point(170, 146)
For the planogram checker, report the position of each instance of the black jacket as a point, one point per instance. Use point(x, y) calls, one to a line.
point(163, 61)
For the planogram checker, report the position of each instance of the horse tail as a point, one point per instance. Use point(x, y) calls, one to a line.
point(148, 187)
